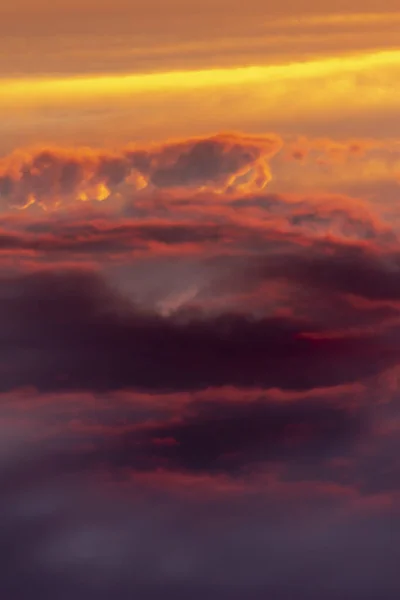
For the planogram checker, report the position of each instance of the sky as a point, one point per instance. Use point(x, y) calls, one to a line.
point(199, 300)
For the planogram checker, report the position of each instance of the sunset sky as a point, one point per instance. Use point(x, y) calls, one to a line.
point(200, 300)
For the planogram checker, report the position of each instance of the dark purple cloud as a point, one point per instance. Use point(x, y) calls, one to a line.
point(231, 437)
point(69, 330)
point(63, 537)
point(346, 270)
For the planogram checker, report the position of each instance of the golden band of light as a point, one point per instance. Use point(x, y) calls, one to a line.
point(31, 90)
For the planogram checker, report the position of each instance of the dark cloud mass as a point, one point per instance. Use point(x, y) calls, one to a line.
point(199, 381)
point(61, 536)
point(69, 330)
point(352, 271)
point(233, 436)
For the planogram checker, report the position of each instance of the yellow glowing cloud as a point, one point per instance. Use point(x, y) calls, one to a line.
point(197, 102)
point(30, 90)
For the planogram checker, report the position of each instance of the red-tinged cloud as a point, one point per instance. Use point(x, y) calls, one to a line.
point(315, 215)
point(86, 336)
point(112, 238)
point(237, 223)
point(49, 177)
point(231, 432)
point(61, 537)
point(336, 268)
point(182, 514)
point(220, 436)
point(227, 262)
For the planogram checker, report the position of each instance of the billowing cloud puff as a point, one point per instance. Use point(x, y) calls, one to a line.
point(51, 176)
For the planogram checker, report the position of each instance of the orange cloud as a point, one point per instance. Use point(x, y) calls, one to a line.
point(337, 150)
point(49, 177)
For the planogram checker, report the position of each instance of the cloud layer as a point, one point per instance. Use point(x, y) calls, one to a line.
point(199, 379)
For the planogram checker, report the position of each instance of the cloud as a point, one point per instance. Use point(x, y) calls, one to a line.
point(218, 432)
point(194, 222)
point(221, 436)
point(49, 177)
point(106, 238)
point(336, 437)
point(320, 214)
point(173, 536)
point(86, 336)
point(222, 424)
point(338, 268)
